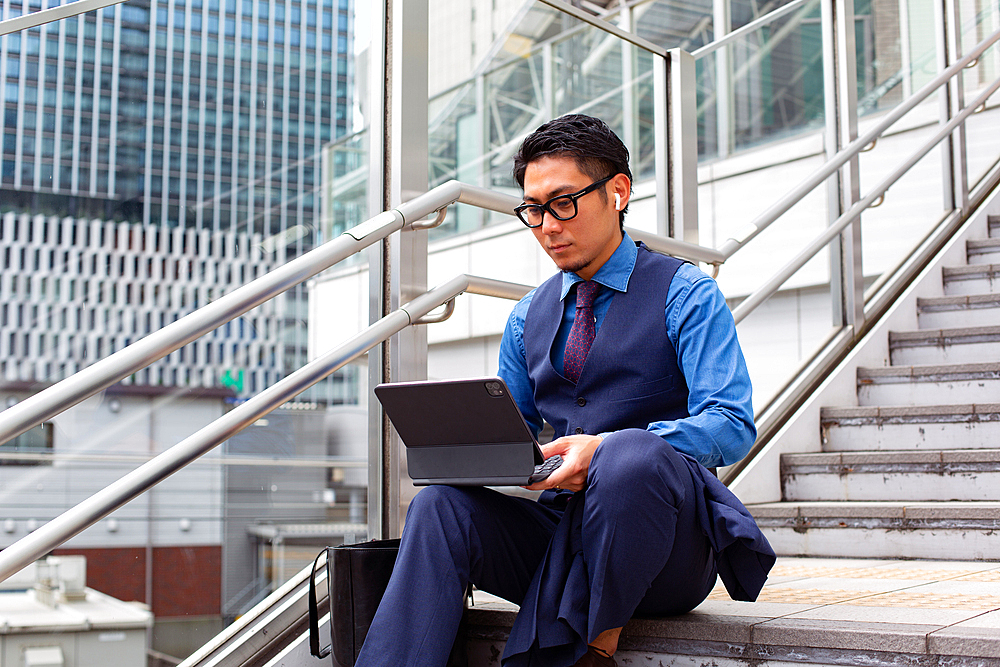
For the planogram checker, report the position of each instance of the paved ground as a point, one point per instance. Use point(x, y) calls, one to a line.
point(834, 606)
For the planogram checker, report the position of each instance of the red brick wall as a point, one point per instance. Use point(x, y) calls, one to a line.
point(121, 573)
point(187, 581)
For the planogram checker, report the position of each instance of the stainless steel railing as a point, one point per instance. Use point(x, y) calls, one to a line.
point(410, 215)
point(102, 374)
point(818, 177)
point(841, 223)
point(108, 499)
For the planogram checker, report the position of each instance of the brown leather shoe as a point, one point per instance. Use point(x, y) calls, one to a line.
point(595, 658)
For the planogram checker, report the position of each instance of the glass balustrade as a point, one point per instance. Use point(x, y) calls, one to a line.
point(153, 158)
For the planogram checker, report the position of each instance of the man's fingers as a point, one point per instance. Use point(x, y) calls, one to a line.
point(558, 446)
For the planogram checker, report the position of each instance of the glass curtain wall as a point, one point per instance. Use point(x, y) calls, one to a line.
point(545, 65)
point(155, 155)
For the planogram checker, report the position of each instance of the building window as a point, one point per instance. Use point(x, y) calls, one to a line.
point(36, 441)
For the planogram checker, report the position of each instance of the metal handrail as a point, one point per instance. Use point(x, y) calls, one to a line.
point(764, 292)
point(46, 404)
point(783, 205)
point(35, 19)
point(599, 22)
point(410, 215)
point(85, 514)
point(764, 20)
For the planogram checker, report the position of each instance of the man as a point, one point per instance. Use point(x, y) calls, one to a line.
point(633, 358)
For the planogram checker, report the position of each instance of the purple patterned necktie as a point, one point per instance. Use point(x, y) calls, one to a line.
point(581, 335)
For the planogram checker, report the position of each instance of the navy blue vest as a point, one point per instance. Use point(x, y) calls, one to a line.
point(631, 377)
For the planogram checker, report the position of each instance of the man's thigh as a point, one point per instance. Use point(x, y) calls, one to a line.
point(504, 537)
point(689, 574)
point(654, 500)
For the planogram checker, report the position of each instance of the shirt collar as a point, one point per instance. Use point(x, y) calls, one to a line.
point(614, 273)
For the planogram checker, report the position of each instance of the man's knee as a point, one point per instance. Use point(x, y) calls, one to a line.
point(634, 460)
point(437, 502)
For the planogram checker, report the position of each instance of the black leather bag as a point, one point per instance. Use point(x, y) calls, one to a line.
point(357, 576)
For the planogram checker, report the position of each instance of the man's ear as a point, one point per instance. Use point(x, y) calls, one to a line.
point(621, 186)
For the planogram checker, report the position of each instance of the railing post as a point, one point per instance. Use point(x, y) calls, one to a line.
point(843, 187)
point(951, 99)
point(406, 252)
point(682, 146)
point(548, 85)
point(398, 268)
point(721, 24)
point(630, 125)
point(378, 284)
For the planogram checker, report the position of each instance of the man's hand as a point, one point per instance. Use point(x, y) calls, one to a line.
point(577, 451)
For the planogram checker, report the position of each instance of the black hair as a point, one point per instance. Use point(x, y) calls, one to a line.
point(597, 150)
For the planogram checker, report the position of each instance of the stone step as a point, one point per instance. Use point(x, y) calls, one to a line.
point(923, 427)
point(965, 474)
point(952, 530)
point(925, 385)
point(984, 251)
point(978, 310)
point(971, 279)
point(812, 612)
point(962, 345)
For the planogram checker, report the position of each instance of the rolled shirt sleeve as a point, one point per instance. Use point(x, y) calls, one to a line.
point(513, 367)
point(720, 428)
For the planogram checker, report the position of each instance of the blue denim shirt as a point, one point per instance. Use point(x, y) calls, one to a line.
point(700, 326)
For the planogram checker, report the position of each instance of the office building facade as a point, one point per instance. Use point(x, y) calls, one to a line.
point(154, 155)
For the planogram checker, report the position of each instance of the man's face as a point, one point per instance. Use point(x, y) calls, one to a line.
point(584, 243)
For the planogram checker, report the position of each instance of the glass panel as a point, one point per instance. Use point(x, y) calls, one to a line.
point(978, 21)
point(547, 64)
point(982, 140)
point(772, 87)
point(878, 53)
point(151, 161)
point(913, 205)
point(772, 93)
point(783, 334)
point(687, 25)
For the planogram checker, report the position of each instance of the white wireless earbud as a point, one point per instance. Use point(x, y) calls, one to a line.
point(618, 202)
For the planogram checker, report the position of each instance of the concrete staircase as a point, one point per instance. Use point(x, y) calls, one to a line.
point(912, 471)
point(889, 538)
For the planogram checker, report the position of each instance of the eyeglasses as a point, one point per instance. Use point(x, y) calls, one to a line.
point(562, 207)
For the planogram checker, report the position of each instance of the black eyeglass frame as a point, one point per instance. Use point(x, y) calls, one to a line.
point(547, 206)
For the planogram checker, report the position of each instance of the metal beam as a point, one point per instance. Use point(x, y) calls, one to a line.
point(78, 518)
point(35, 19)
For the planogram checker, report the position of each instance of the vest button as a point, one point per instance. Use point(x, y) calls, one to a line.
point(578, 430)
point(581, 401)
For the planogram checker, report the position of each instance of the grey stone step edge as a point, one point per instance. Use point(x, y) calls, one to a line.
point(958, 303)
point(944, 337)
point(971, 272)
point(939, 462)
point(880, 415)
point(714, 637)
point(928, 373)
point(800, 516)
point(982, 246)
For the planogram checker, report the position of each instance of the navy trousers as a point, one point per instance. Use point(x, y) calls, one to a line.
point(628, 544)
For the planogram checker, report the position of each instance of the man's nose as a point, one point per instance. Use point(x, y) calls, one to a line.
point(550, 223)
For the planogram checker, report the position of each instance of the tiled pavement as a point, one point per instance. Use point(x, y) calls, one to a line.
point(813, 611)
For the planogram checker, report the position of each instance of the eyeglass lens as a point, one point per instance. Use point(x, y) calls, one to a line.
point(561, 208)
